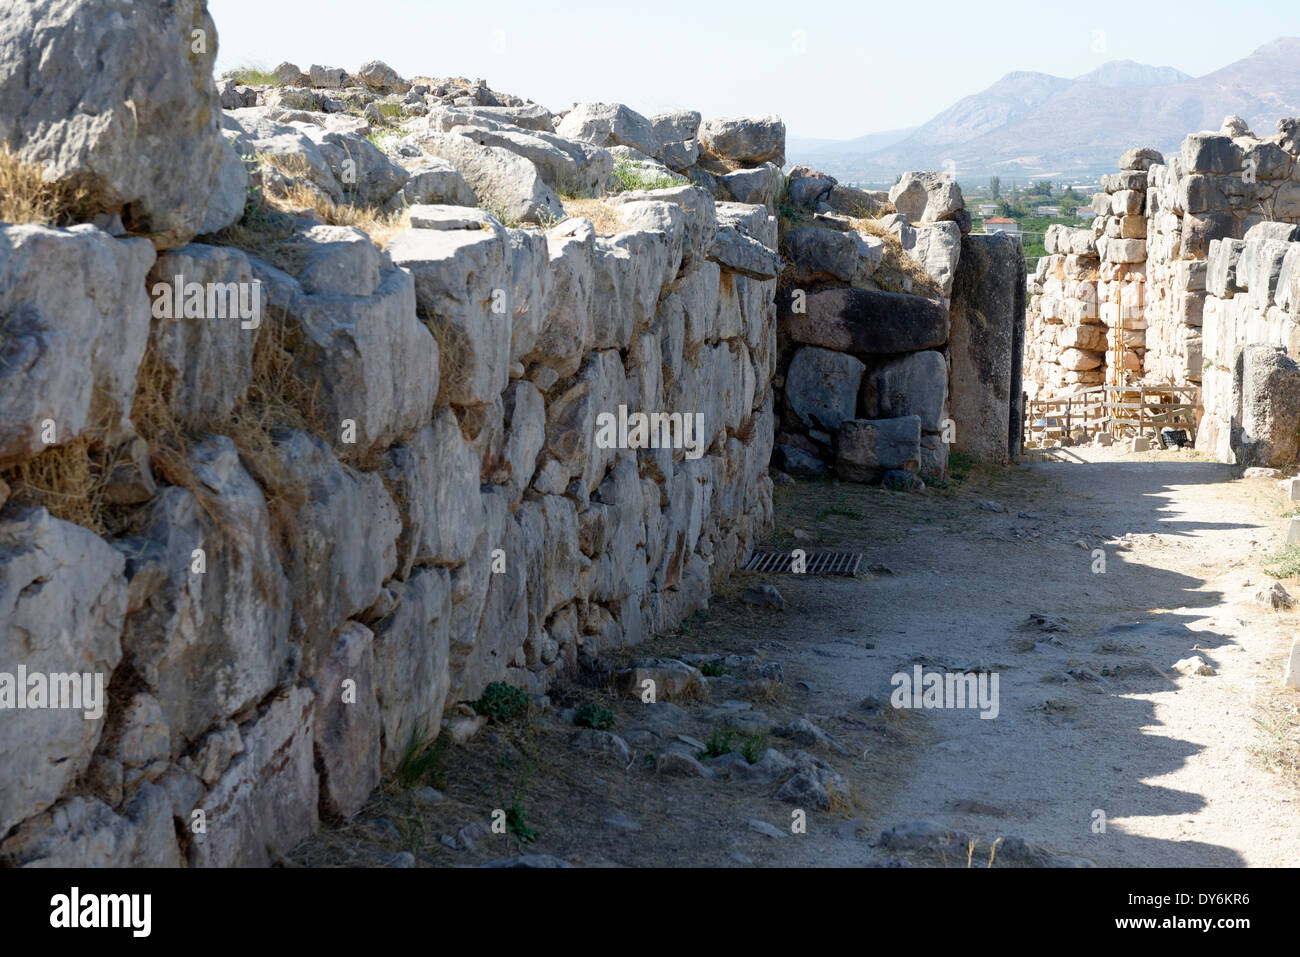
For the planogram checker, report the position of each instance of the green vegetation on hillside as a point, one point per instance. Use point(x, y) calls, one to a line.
point(1021, 202)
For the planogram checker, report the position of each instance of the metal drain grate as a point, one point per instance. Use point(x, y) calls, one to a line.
point(819, 563)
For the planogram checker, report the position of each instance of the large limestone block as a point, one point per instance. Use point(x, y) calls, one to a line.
point(256, 137)
point(1088, 338)
point(530, 116)
point(1270, 408)
point(366, 176)
point(566, 332)
point(1079, 360)
point(573, 440)
point(482, 649)
point(701, 219)
point(658, 216)
point(119, 101)
point(530, 289)
point(816, 254)
point(379, 76)
point(867, 321)
point(927, 197)
point(327, 77)
point(697, 298)
point(229, 192)
point(347, 723)
point(753, 221)
point(822, 387)
point(987, 347)
point(63, 597)
point(205, 347)
point(267, 799)
point(935, 248)
point(1221, 273)
point(507, 182)
point(676, 133)
point(462, 284)
point(433, 181)
point(748, 140)
point(737, 250)
point(1210, 153)
point(1259, 269)
point(609, 124)
point(1287, 290)
point(1141, 159)
point(84, 832)
point(555, 561)
point(341, 545)
point(858, 202)
point(370, 359)
point(914, 385)
point(76, 325)
point(411, 650)
point(866, 449)
point(628, 273)
point(760, 186)
point(525, 423)
point(208, 625)
point(436, 476)
point(569, 166)
point(611, 531)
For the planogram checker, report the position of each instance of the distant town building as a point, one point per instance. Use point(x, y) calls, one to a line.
point(988, 209)
point(1000, 224)
point(1049, 210)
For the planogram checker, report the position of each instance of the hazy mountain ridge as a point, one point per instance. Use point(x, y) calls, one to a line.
point(1034, 124)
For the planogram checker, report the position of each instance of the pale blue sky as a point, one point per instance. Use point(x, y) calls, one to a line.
point(866, 66)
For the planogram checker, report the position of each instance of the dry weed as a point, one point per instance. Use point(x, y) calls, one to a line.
point(606, 219)
point(26, 198)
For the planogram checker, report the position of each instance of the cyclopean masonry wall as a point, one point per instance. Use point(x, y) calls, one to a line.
point(865, 331)
point(1086, 313)
point(444, 495)
point(1217, 218)
point(1251, 388)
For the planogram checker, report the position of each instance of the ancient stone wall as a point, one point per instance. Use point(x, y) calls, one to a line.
point(1153, 233)
point(1251, 384)
point(865, 363)
point(329, 491)
point(1087, 308)
point(467, 511)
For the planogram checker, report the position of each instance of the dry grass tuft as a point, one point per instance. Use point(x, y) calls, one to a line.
point(1277, 747)
point(302, 195)
point(453, 357)
point(267, 228)
point(379, 224)
point(67, 480)
point(717, 165)
point(155, 422)
point(605, 218)
point(26, 198)
point(276, 400)
point(897, 272)
point(267, 233)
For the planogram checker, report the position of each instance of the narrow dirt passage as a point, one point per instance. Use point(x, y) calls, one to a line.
point(1093, 720)
point(1000, 576)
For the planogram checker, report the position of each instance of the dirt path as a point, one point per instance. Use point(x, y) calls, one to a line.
point(1092, 719)
point(1169, 759)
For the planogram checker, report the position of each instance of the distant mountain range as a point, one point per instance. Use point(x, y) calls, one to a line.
point(1034, 125)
